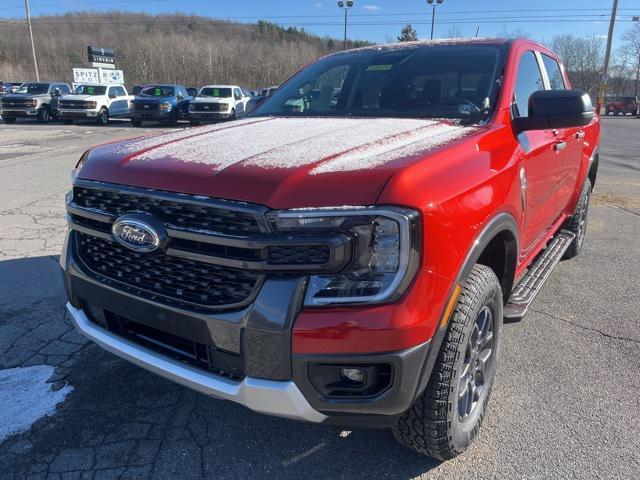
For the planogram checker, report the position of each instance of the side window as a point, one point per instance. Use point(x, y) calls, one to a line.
point(112, 90)
point(63, 88)
point(529, 80)
point(52, 87)
point(237, 93)
point(553, 71)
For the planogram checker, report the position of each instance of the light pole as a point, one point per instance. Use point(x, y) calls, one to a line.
point(434, 4)
point(345, 6)
point(607, 56)
point(33, 47)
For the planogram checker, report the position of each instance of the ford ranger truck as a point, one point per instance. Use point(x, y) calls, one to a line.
point(33, 100)
point(97, 102)
point(350, 262)
point(160, 104)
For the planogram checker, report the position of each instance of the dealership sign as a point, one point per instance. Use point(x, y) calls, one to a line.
point(101, 55)
point(97, 75)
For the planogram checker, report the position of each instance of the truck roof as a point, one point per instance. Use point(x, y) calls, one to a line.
point(436, 42)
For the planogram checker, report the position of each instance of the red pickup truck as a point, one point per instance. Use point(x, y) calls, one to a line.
point(347, 252)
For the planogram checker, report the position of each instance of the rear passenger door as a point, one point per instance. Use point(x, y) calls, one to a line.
point(571, 139)
point(541, 167)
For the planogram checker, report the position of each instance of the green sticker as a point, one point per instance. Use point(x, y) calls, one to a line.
point(90, 90)
point(216, 92)
point(157, 92)
point(379, 68)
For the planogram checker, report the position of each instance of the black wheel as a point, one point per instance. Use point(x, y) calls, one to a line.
point(578, 221)
point(173, 120)
point(67, 121)
point(444, 420)
point(103, 117)
point(234, 115)
point(9, 120)
point(136, 123)
point(44, 114)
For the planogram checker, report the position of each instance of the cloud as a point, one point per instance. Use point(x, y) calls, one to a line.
point(371, 8)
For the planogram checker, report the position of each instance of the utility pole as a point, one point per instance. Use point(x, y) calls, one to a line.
point(345, 6)
point(33, 47)
point(607, 57)
point(434, 4)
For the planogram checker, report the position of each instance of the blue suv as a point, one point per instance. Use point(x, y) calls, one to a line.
point(166, 103)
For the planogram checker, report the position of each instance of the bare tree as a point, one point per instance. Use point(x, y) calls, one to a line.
point(631, 47)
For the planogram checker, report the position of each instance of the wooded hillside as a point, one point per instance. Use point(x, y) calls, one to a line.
point(162, 48)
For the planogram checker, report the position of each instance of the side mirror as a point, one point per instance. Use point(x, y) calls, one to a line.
point(556, 109)
point(56, 92)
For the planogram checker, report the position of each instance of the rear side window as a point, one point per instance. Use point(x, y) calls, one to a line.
point(529, 80)
point(553, 71)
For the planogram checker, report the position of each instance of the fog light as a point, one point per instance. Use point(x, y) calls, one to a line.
point(355, 375)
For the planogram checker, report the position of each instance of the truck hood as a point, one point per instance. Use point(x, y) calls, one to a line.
point(278, 162)
point(23, 96)
point(72, 96)
point(212, 100)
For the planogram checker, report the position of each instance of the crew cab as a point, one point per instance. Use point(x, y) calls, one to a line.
point(98, 102)
point(163, 103)
point(218, 102)
point(33, 100)
point(352, 260)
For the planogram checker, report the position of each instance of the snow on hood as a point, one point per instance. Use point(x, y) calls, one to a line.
point(334, 144)
point(26, 397)
point(282, 162)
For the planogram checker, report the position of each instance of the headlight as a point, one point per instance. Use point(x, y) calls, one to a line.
point(91, 104)
point(31, 103)
point(131, 104)
point(165, 106)
point(385, 253)
point(76, 170)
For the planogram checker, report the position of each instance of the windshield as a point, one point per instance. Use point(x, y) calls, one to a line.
point(157, 91)
point(33, 88)
point(90, 90)
point(452, 81)
point(215, 92)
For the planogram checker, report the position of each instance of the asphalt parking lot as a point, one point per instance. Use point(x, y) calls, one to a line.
point(565, 404)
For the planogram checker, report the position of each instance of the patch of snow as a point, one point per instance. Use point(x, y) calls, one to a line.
point(393, 148)
point(25, 397)
point(390, 47)
point(283, 142)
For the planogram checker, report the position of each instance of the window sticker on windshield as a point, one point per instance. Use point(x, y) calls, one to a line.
point(157, 92)
point(379, 68)
point(90, 90)
point(216, 92)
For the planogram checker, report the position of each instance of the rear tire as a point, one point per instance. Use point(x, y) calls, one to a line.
point(578, 221)
point(444, 420)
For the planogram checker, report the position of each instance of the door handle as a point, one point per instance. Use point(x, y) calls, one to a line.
point(559, 146)
point(580, 134)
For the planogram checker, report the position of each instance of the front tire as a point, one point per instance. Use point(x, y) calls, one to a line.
point(103, 117)
point(136, 123)
point(44, 115)
point(578, 222)
point(444, 420)
point(9, 120)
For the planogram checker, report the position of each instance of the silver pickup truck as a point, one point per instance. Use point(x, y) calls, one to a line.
point(33, 100)
point(95, 101)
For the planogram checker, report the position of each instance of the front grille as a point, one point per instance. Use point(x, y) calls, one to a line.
point(208, 107)
point(176, 214)
point(145, 107)
point(77, 104)
point(171, 280)
point(20, 103)
point(298, 255)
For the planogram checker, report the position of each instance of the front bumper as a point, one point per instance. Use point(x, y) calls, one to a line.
point(77, 114)
point(31, 112)
point(209, 116)
point(152, 115)
point(280, 398)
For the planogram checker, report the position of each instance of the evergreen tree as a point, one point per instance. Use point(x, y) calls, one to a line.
point(408, 34)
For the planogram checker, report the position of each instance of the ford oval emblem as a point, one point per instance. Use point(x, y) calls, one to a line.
point(140, 232)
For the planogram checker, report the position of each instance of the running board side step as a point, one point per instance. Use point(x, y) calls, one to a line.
point(539, 271)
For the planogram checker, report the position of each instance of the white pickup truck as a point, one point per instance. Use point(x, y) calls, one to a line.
point(218, 102)
point(95, 101)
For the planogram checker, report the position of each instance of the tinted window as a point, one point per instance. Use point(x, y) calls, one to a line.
point(215, 92)
point(64, 88)
point(553, 71)
point(33, 88)
point(90, 90)
point(157, 91)
point(453, 81)
point(529, 80)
